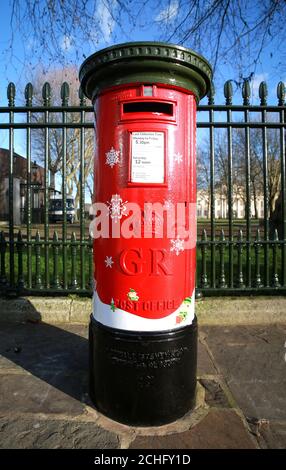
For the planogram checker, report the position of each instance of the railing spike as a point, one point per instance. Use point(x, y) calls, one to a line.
point(275, 244)
point(73, 261)
point(56, 279)
point(46, 94)
point(240, 281)
point(246, 92)
point(65, 93)
point(228, 92)
point(222, 281)
point(11, 93)
point(281, 93)
point(38, 278)
point(20, 245)
point(204, 276)
point(258, 281)
point(263, 93)
point(29, 94)
point(82, 98)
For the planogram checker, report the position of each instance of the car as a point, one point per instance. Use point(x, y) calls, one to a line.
point(56, 210)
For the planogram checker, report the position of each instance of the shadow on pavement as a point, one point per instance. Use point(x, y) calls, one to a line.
point(56, 356)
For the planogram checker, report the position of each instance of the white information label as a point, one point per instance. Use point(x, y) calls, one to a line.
point(147, 157)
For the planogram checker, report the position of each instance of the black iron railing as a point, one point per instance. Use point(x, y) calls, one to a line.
point(244, 261)
point(235, 255)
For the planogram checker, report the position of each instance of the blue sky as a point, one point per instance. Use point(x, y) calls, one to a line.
point(14, 68)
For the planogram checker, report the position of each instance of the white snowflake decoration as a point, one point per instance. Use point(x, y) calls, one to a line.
point(112, 157)
point(177, 245)
point(178, 157)
point(117, 208)
point(168, 204)
point(108, 262)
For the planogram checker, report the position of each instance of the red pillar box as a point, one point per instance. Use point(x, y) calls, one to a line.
point(143, 331)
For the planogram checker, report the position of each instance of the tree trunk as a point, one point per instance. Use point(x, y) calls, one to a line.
point(254, 201)
point(276, 221)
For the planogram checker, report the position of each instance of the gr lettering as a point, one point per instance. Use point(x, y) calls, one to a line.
point(136, 261)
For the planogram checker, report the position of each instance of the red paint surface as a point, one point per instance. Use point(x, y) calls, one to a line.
point(160, 278)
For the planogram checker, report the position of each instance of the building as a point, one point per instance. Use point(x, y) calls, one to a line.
point(20, 183)
point(221, 205)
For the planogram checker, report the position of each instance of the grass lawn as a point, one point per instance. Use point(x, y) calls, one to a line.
point(42, 265)
point(235, 264)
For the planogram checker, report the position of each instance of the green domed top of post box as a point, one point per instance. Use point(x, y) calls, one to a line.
point(145, 62)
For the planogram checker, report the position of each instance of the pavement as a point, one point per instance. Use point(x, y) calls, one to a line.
point(44, 403)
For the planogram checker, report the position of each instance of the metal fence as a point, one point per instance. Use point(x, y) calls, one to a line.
point(234, 256)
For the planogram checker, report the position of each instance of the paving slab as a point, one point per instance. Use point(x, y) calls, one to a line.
point(29, 433)
point(29, 394)
point(40, 345)
point(57, 356)
point(272, 435)
point(252, 361)
point(205, 364)
point(44, 373)
point(220, 429)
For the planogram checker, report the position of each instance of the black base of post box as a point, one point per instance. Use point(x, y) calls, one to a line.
point(142, 379)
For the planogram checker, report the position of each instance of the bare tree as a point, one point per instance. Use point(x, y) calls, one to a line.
point(203, 167)
point(203, 174)
point(226, 31)
point(55, 78)
point(259, 155)
point(255, 166)
point(257, 158)
point(274, 169)
point(231, 31)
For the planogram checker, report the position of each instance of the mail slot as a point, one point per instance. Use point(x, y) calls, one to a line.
point(155, 107)
point(143, 330)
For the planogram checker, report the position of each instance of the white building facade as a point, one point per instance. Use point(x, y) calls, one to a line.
point(221, 206)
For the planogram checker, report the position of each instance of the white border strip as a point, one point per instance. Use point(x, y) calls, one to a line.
point(122, 320)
